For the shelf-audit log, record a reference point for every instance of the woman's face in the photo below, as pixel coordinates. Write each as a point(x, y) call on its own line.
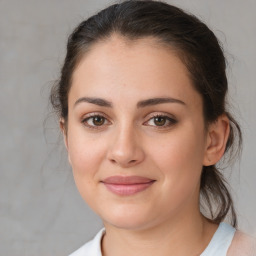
point(135, 136)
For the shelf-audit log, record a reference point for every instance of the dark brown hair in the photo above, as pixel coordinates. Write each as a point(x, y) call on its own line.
point(197, 47)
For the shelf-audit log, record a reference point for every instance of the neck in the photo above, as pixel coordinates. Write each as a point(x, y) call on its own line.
point(185, 235)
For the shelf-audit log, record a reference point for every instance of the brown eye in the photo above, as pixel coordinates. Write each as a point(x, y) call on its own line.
point(95, 121)
point(159, 120)
point(98, 120)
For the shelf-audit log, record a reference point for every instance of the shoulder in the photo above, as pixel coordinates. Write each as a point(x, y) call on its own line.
point(91, 248)
point(242, 245)
point(220, 241)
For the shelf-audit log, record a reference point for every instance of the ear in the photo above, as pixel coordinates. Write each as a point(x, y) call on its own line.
point(63, 127)
point(217, 137)
point(64, 131)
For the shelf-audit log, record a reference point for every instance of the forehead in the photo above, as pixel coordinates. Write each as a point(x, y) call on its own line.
point(142, 67)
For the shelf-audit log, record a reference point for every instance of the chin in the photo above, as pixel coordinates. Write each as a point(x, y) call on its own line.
point(130, 218)
point(128, 224)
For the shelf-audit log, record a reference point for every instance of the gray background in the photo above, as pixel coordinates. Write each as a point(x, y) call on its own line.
point(41, 212)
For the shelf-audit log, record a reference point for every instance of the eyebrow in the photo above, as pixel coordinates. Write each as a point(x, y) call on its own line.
point(144, 103)
point(156, 101)
point(96, 101)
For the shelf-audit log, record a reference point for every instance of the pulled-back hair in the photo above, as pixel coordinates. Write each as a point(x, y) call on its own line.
point(199, 50)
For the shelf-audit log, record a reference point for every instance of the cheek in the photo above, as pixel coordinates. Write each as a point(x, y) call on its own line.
point(183, 148)
point(86, 156)
point(180, 169)
point(179, 156)
point(84, 152)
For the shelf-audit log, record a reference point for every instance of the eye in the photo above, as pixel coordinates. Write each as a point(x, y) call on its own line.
point(161, 121)
point(95, 121)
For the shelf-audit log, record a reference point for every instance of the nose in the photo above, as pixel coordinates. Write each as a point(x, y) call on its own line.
point(125, 148)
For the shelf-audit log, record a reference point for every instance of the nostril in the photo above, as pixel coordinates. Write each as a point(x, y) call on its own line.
point(112, 161)
point(128, 163)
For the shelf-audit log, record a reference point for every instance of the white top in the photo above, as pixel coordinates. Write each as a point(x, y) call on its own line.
point(220, 241)
point(219, 244)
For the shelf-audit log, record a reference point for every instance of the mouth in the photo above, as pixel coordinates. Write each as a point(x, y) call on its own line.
point(127, 185)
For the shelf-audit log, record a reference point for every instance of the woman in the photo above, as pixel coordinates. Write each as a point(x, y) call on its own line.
point(141, 101)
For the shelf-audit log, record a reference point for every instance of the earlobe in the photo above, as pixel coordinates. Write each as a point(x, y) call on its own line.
point(217, 137)
point(64, 131)
point(65, 136)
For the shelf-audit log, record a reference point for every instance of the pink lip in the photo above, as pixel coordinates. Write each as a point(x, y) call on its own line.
point(127, 185)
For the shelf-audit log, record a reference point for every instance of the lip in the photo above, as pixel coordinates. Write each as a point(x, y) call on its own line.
point(127, 185)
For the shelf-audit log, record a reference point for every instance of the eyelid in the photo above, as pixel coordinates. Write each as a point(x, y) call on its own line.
point(94, 114)
point(173, 120)
point(163, 114)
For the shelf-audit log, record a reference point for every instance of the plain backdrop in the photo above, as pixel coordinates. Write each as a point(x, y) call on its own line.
point(41, 212)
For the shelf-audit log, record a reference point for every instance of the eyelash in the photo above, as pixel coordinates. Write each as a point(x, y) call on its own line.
point(167, 119)
point(93, 116)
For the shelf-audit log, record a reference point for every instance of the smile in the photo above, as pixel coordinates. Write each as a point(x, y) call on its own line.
point(125, 186)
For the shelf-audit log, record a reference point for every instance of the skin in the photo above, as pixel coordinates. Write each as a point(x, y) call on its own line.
point(128, 140)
